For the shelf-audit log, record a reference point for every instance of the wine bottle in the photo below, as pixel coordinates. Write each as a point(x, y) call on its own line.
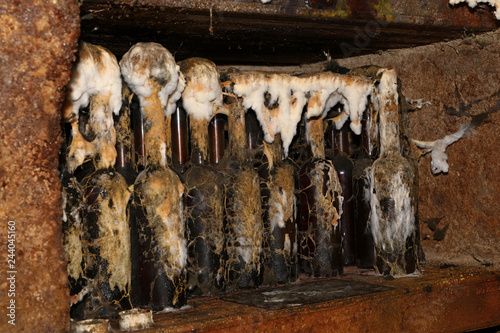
point(392, 192)
point(243, 206)
point(337, 151)
point(319, 209)
point(106, 235)
point(365, 248)
point(278, 203)
point(205, 221)
point(205, 192)
point(151, 72)
point(96, 83)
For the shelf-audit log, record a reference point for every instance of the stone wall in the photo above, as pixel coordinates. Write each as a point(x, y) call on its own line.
point(461, 78)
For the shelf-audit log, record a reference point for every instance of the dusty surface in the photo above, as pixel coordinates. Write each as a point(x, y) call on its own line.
point(34, 73)
point(441, 300)
point(460, 78)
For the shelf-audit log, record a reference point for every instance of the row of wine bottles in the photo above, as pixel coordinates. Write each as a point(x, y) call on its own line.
point(194, 202)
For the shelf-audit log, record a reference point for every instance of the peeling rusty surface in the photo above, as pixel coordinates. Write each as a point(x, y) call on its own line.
point(280, 32)
point(39, 41)
point(451, 300)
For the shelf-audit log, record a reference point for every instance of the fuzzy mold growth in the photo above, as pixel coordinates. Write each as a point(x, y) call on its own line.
point(291, 93)
point(96, 81)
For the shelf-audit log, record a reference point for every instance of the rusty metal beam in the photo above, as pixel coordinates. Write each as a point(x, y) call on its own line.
point(280, 32)
point(441, 300)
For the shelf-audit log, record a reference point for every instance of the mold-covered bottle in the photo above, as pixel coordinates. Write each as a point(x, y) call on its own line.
point(204, 215)
point(278, 204)
point(392, 192)
point(158, 226)
point(105, 225)
point(319, 209)
point(337, 143)
point(105, 233)
point(204, 185)
point(245, 228)
point(365, 249)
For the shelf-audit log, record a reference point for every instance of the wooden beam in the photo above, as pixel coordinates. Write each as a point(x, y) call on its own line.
point(282, 32)
point(441, 300)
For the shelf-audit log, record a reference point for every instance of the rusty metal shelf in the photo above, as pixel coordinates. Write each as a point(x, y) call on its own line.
point(442, 299)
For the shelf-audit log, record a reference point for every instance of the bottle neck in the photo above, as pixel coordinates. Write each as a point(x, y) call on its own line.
point(168, 140)
point(216, 138)
point(155, 134)
point(315, 137)
point(199, 140)
point(273, 152)
point(123, 157)
point(179, 130)
point(253, 130)
point(338, 139)
point(369, 133)
point(236, 124)
point(123, 128)
point(138, 129)
point(387, 96)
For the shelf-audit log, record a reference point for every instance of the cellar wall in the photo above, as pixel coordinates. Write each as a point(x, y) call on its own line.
point(460, 78)
point(37, 42)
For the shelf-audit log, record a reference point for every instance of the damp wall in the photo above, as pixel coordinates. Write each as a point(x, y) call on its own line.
point(460, 210)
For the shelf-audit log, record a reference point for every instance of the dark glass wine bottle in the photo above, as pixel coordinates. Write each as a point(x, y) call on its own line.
point(365, 248)
point(278, 203)
point(243, 206)
point(319, 209)
point(204, 185)
point(337, 142)
point(392, 192)
point(204, 214)
point(106, 235)
point(105, 231)
point(105, 194)
point(158, 225)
